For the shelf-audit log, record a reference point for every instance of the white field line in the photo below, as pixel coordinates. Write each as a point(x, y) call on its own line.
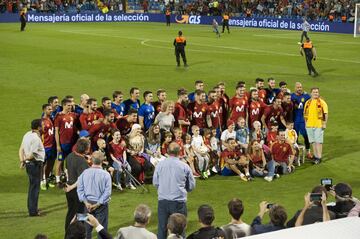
point(287, 36)
point(211, 46)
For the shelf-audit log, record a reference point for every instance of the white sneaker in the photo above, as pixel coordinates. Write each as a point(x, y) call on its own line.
point(118, 186)
point(130, 186)
point(277, 175)
point(268, 178)
point(214, 169)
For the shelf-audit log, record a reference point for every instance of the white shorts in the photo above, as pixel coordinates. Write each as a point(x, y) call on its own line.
point(316, 135)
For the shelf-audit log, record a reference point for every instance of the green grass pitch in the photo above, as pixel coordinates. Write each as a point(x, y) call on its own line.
point(60, 59)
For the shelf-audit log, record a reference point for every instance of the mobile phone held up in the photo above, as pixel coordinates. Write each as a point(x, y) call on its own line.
point(327, 183)
point(81, 216)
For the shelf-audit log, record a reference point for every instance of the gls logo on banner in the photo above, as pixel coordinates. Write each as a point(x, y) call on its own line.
point(188, 19)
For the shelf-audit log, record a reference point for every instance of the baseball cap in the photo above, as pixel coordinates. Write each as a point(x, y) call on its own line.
point(84, 133)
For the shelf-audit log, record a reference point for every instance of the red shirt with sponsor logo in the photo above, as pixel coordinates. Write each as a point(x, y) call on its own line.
point(213, 112)
point(48, 133)
point(238, 108)
point(281, 151)
point(256, 109)
point(272, 114)
point(180, 113)
point(67, 127)
point(124, 126)
point(198, 114)
point(87, 119)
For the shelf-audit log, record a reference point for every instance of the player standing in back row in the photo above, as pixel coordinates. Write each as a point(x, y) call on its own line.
point(180, 43)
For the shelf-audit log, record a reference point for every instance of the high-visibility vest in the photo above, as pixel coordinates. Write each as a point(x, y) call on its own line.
point(307, 45)
point(180, 39)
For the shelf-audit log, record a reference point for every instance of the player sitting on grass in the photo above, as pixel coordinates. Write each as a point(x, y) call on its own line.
point(232, 163)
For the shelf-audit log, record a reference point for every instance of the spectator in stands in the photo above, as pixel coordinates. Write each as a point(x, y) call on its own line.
point(176, 226)
point(344, 200)
point(206, 217)
point(313, 211)
point(236, 228)
point(277, 216)
point(142, 216)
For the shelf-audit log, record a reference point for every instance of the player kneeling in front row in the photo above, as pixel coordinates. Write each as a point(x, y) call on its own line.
point(233, 163)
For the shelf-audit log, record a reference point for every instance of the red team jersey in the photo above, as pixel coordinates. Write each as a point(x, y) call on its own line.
point(272, 114)
point(288, 109)
point(182, 149)
point(48, 133)
point(256, 109)
point(67, 127)
point(238, 108)
point(227, 154)
point(164, 148)
point(100, 130)
point(262, 95)
point(180, 113)
point(117, 150)
point(86, 120)
point(198, 114)
point(281, 151)
point(271, 137)
point(213, 112)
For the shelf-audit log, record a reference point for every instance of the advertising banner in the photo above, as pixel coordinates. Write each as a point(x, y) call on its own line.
point(260, 22)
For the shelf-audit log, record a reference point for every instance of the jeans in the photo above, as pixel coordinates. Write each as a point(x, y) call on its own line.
point(74, 206)
point(257, 173)
point(119, 169)
point(271, 166)
point(165, 209)
point(101, 214)
point(33, 170)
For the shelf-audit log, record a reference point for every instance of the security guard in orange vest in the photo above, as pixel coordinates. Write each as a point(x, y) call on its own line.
point(23, 18)
point(168, 14)
point(225, 22)
point(180, 43)
point(310, 54)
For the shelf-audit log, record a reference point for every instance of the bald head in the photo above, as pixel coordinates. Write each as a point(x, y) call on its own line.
point(298, 88)
point(174, 149)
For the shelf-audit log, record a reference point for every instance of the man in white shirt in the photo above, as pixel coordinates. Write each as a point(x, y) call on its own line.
point(142, 218)
point(32, 155)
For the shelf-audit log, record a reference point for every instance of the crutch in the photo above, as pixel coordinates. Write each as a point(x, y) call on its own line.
point(135, 181)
